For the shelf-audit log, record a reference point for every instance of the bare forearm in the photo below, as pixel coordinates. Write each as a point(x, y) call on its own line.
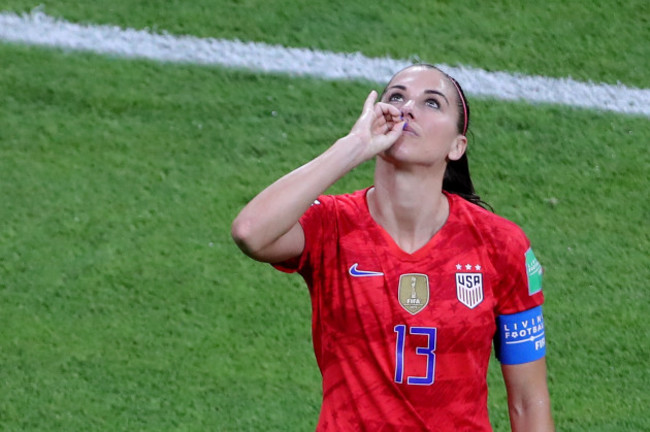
point(529, 403)
point(267, 228)
point(533, 416)
point(273, 212)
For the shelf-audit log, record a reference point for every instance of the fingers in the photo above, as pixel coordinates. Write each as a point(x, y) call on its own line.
point(393, 130)
point(382, 108)
point(370, 101)
point(386, 116)
point(397, 130)
point(385, 140)
point(388, 112)
point(379, 125)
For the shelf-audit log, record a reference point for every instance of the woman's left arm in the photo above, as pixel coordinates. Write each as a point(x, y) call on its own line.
point(529, 402)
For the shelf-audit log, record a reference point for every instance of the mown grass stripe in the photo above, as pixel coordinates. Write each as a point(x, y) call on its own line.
point(37, 28)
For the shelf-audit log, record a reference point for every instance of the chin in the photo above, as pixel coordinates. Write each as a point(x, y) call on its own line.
point(403, 150)
point(401, 155)
point(397, 156)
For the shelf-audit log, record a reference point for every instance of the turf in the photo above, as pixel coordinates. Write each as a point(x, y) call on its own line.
point(126, 306)
point(599, 40)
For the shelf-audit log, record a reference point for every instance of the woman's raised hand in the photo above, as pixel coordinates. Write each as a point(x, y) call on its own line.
point(378, 127)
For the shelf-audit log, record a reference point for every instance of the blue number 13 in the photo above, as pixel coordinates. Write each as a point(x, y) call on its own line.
point(428, 350)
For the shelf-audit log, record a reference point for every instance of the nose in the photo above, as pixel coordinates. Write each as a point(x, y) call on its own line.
point(407, 109)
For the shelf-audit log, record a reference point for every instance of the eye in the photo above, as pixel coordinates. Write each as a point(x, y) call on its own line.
point(433, 103)
point(395, 97)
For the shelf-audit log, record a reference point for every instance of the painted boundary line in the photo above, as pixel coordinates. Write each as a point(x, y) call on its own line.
point(39, 29)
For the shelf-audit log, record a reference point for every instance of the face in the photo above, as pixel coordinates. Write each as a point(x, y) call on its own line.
point(428, 101)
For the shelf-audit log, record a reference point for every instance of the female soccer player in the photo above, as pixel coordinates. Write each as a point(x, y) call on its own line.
point(411, 280)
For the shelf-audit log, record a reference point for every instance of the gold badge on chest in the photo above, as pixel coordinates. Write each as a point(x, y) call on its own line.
point(413, 293)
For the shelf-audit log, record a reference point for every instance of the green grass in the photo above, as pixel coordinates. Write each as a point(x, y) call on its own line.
point(126, 306)
point(599, 40)
point(125, 303)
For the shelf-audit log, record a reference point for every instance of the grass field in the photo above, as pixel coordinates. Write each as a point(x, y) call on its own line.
point(126, 306)
point(598, 40)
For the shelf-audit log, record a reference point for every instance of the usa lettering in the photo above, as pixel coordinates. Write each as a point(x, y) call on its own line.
point(469, 280)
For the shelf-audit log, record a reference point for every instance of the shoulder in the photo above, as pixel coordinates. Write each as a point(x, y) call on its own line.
point(352, 198)
point(349, 202)
point(329, 213)
point(501, 233)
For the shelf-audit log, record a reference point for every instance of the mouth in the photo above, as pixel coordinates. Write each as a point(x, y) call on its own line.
point(408, 130)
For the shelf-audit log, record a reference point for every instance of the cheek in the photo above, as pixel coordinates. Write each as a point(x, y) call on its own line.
point(443, 129)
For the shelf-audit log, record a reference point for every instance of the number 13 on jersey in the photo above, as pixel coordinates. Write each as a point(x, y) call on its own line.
point(428, 350)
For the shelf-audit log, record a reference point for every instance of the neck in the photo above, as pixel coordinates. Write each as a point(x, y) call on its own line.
point(408, 203)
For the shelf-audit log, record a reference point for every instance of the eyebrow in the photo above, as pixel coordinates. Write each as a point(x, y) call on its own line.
point(436, 92)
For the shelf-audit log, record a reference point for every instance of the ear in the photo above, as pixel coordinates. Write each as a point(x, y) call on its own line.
point(458, 148)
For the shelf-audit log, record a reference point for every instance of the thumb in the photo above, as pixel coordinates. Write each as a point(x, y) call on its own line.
point(390, 137)
point(397, 130)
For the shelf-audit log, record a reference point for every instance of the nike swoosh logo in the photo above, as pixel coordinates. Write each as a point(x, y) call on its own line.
point(362, 273)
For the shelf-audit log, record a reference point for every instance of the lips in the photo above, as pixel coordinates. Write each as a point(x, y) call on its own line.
point(408, 130)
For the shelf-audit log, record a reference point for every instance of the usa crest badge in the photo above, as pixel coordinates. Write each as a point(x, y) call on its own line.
point(469, 289)
point(413, 292)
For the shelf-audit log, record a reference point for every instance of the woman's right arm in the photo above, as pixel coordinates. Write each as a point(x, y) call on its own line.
point(267, 228)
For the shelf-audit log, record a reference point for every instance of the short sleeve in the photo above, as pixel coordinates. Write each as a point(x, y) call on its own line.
point(316, 224)
point(520, 283)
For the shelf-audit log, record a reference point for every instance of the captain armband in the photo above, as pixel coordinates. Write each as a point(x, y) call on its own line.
point(520, 337)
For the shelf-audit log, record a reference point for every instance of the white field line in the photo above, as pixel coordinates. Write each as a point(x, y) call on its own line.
point(37, 28)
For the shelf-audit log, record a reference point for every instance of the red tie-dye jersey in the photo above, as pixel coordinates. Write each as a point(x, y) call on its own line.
point(403, 340)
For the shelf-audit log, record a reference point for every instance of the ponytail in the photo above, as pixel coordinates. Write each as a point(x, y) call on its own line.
point(458, 181)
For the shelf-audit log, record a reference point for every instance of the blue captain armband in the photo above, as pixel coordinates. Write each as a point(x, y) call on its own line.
point(520, 337)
